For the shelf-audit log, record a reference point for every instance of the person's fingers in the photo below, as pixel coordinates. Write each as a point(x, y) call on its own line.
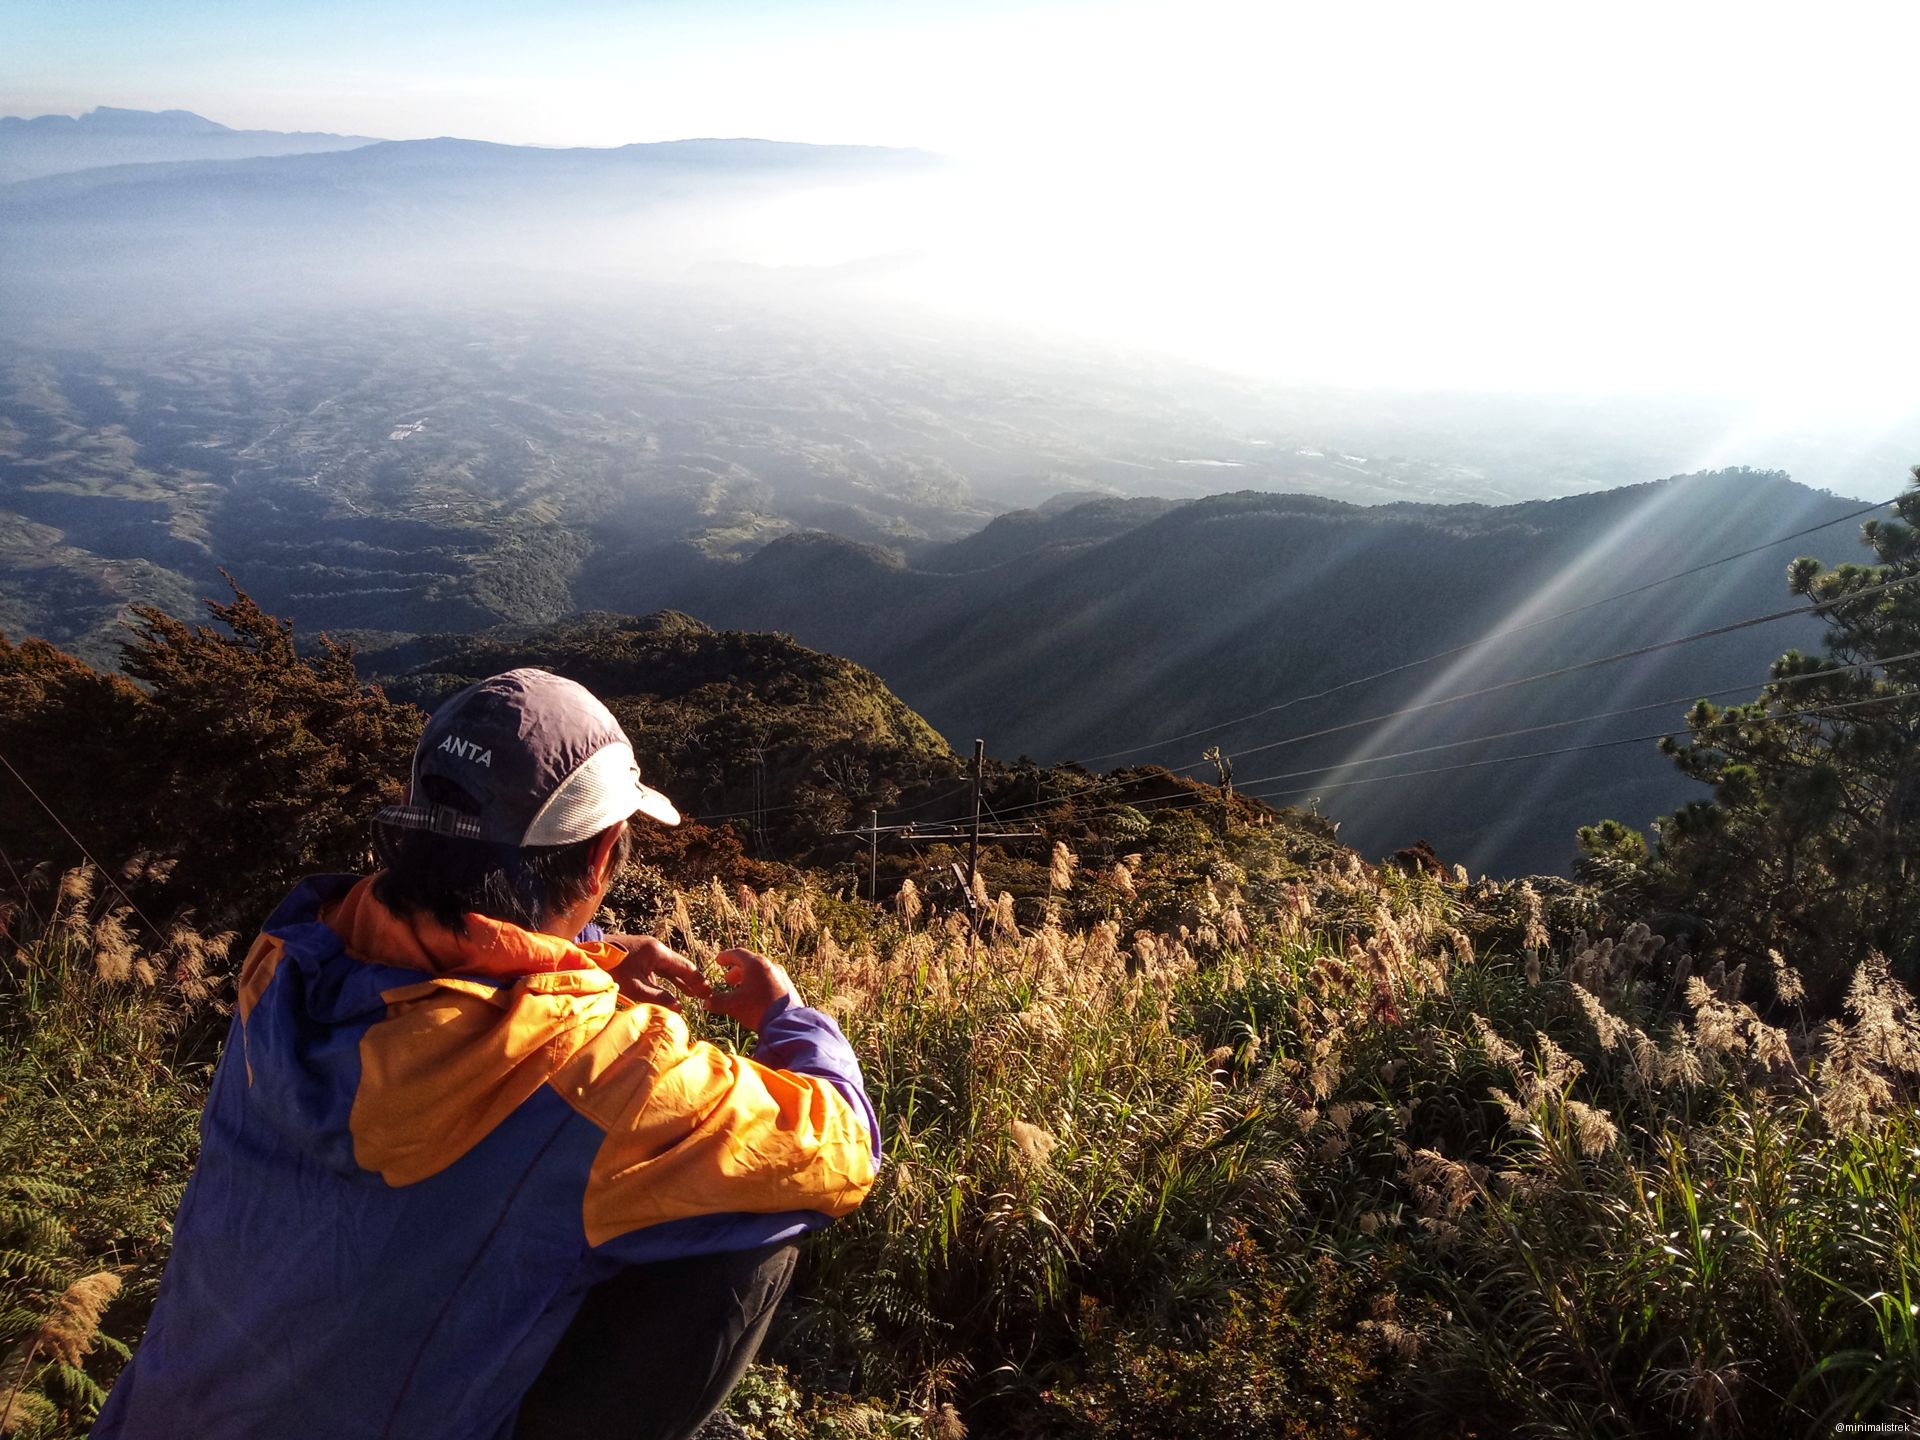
point(672, 966)
point(726, 1003)
point(737, 964)
point(649, 956)
point(645, 994)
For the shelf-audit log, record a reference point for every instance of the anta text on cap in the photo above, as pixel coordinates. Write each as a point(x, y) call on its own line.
point(541, 759)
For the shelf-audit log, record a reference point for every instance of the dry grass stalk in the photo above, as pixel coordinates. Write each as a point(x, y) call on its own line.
point(1787, 983)
point(113, 951)
point(1060, 868)
point(1608, 1028)
point(1534, 936)
point(1443, 1189)
point(1005, 926)
point(1033, 1144)
point(65, 1337)
point(1593, 1130)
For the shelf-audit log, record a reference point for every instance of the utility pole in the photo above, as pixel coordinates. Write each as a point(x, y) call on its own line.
point(948, 832)
point(973, 835)
point(973, 847)
point(1224, 767)
point(757, 791)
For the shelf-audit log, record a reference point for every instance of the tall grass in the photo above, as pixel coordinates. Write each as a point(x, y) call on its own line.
point(1359, 1176)
point(99, 1110)
point(1269, 1145)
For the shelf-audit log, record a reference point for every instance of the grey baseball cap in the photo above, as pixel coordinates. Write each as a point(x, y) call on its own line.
point(545, 762)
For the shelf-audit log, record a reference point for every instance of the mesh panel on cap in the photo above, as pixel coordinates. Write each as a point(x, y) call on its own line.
point(603, 790)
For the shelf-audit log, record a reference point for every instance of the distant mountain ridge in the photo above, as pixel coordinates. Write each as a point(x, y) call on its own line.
point(110, 136)
point(395, 213)
point(1098, 647)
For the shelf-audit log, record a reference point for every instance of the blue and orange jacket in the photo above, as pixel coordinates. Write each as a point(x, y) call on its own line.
point(420, 1149)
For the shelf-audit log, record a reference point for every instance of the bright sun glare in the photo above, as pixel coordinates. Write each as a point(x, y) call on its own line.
point(1628, 199)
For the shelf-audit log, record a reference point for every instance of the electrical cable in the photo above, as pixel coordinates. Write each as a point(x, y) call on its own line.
point(790, 805)
point(742, 814)
point(1615, 714)
point(1688, 699)
point(1506, 685)
point(1488, 638)
point(1441, 655)
point(1191, 798)
point(1566, 749)
point(87, 854)
point(1584, 665)
point(941, 799)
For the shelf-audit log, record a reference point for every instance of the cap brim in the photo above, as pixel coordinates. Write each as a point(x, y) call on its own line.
point(603, 790)
point(654, 805)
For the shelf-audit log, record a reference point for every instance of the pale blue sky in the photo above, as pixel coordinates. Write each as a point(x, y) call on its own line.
point(586, 72)
point(1621, 195)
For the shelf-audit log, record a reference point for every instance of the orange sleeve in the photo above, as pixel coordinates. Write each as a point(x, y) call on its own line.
point(692, 1129)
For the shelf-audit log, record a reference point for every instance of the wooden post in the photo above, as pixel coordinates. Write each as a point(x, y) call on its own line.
point(873, 860)
point(973, 846)
point(973, 837)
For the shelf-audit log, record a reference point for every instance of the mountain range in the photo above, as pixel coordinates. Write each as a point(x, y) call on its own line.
point(1118, 631)
point(394, 214)
point(106, 135)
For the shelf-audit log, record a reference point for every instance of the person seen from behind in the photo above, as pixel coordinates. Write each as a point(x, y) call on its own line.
point(464, 1173)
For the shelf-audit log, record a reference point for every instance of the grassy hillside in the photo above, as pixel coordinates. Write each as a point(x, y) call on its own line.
point(1214, 1127)
point(1347, 1154)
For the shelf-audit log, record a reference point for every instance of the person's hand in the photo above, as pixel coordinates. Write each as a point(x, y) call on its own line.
point(648, 960)
point(754, 985)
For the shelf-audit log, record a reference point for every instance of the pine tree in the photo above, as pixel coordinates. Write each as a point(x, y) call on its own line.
point(1811, 841)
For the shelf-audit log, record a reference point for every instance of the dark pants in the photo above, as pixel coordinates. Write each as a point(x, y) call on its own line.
point(656, 1350)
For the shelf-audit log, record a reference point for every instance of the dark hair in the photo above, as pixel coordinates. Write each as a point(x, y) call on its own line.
point(448, 877)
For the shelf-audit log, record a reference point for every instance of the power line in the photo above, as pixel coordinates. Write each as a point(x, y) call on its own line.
point(742, 814)
point(1606, 715)
point(1544, 754)
point(106, 874)
point(1489, 638)
point(921, 830)
point(1506, 685)
point(940, 799)
point(1183, 800)
point(1560, 672)
point(1427, 660)
point(1584, 665)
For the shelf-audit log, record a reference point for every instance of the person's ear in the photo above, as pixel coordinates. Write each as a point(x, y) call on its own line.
point(600, 861)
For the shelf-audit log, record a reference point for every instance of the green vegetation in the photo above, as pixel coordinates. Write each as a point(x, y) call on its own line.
point(1813, 829)
point(1215, 1127)
point(105, 1051)
point(235, 767)
point(720, 718)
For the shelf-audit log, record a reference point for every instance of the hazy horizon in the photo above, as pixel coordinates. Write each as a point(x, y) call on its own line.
point(1628, 202)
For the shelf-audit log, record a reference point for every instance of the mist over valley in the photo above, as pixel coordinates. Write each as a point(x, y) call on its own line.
point(436, 387)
